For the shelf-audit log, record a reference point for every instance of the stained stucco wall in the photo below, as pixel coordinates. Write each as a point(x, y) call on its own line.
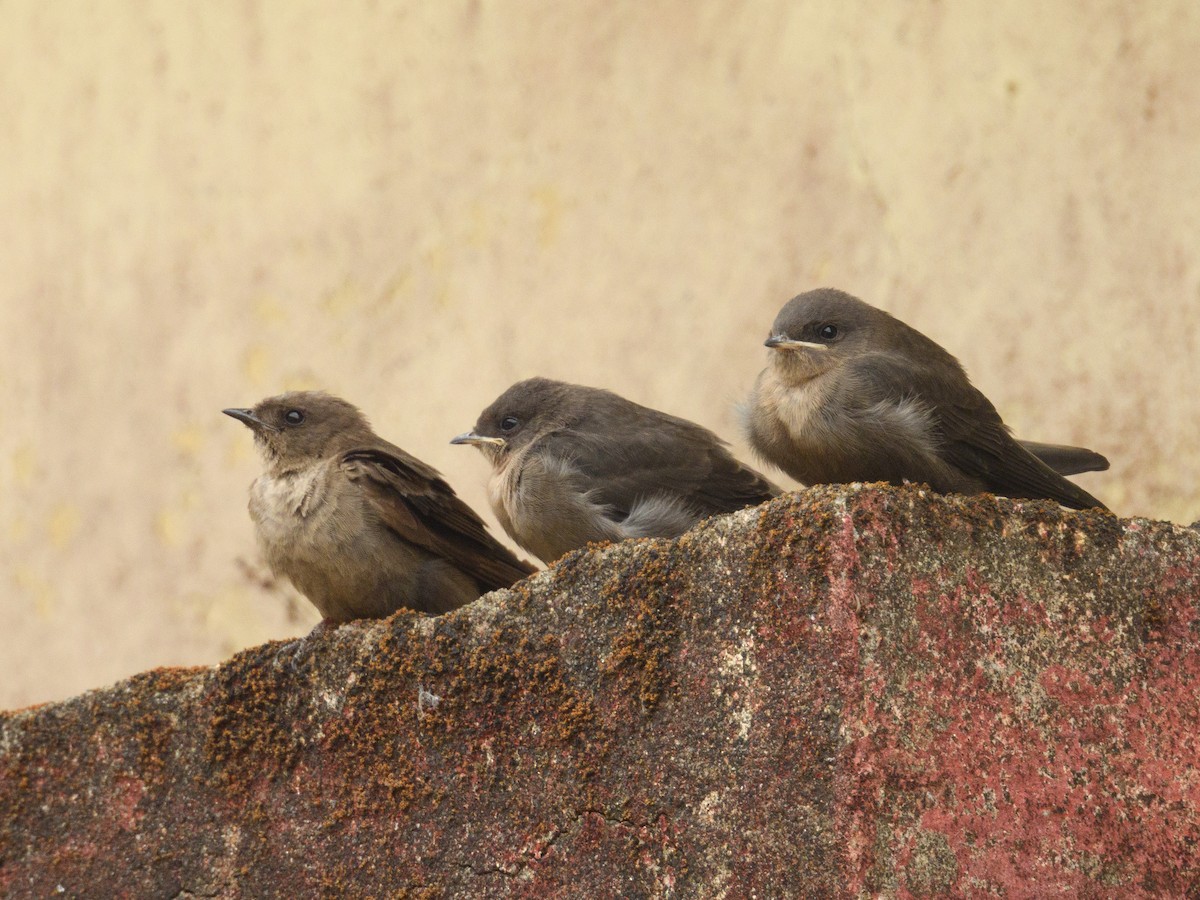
point(415, 204)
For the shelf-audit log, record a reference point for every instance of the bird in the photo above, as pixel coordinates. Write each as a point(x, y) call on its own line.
point(851, 393)
point(360, 527)
point(573, 464)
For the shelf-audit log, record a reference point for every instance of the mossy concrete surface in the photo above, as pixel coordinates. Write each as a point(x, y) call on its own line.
point(848, 691)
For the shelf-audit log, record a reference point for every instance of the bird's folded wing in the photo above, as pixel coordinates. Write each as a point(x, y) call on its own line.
point(413, 500)
point(970, 433)
point(625, 460)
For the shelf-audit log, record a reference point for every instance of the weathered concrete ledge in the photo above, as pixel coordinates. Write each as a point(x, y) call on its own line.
point(844, 692)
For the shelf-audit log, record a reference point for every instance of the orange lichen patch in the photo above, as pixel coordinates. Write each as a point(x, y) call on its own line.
point(474, 702)
point(251, 733)
point(651, 613)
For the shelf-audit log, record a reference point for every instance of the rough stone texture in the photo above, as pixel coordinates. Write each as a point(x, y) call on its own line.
point(414, 203)
point(845, 692)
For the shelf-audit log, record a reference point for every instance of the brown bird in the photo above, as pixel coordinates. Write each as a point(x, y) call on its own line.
point(360, 527)
point(574, 464)
point(853, 394)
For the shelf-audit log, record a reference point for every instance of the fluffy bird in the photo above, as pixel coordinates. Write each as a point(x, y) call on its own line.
point(360, 527)
point(853, 394)
point(573, 464)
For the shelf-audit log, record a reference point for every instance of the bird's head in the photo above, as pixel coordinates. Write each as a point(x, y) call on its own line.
point(300, 427)
point(516, 418)
point(818, 330)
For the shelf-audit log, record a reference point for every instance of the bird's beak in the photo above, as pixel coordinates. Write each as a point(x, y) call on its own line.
point(783, 342)
point(479, 440)
point(249, 419)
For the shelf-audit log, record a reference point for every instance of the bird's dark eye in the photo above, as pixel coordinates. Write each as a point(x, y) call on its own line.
point(827, 332)
point(293, 417)
point(508, 423)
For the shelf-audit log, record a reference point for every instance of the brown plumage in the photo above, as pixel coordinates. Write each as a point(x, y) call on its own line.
point(573, 464)
point(853, 394)
point(360, 527)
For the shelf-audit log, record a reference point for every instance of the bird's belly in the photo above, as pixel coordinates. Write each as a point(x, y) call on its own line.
point(795, 428)
point(317, 541)
point(521, 508)
point(543, 508)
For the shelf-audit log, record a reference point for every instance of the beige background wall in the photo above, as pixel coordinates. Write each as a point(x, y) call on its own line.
point(414, 204)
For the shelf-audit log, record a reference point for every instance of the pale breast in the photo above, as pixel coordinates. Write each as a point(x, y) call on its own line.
point(501, 489)
point(540, 503)
point(280, 503)
point(313, 529)
point(801, 428)
point(801, 408)
point(794, 414)
point(513, 491)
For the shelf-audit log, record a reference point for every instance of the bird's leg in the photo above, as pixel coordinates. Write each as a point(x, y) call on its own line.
point(296, 654)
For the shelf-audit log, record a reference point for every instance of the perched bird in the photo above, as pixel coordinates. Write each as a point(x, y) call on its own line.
point(360, 527)
point(573, 464)
point(853, 394)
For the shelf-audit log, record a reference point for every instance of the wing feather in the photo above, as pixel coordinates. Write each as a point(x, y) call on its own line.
point(969, 432)
point(636, 453)
point(415, 502)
